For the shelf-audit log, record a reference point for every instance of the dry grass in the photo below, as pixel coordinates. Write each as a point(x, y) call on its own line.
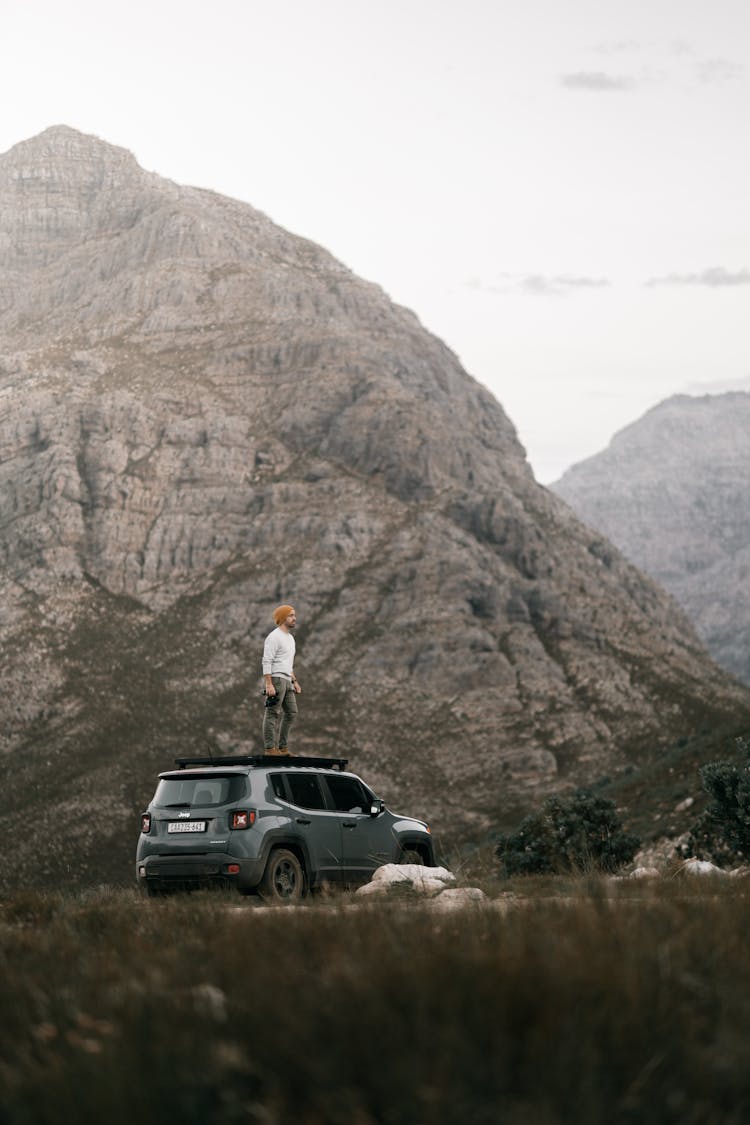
point(590, 1002)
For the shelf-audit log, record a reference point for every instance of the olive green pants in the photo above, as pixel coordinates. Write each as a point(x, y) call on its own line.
point(278, 718)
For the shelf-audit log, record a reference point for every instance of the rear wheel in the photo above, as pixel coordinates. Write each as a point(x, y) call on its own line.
point(283, 879)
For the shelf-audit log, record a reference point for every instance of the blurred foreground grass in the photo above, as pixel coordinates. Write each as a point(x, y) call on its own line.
point(581, 1001)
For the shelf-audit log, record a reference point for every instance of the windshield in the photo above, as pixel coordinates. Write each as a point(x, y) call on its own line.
point(207, 790)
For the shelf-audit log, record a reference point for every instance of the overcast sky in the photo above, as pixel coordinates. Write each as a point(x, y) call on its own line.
point(558, 190)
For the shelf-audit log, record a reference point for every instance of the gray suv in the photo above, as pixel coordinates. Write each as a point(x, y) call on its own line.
point(278, 826)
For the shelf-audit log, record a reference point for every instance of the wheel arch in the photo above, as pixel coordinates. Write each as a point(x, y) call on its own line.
point(290, 844)
point(420, 845)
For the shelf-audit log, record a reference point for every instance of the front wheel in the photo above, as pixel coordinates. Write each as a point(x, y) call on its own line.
point(283, 879)
point(410, 855)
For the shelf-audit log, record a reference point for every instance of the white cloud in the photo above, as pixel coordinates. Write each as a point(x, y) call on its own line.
point(681, 48)
point(717, 277)
point(658, 62)
point(597, 81)
point(719, 70)
point(616, 47)
point(538, 285)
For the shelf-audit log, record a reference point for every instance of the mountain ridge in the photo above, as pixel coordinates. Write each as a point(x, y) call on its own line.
point(201, 416)
point(671, 491)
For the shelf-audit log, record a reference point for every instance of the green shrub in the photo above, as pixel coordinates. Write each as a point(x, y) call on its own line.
point(582, 832)
point(722, 832)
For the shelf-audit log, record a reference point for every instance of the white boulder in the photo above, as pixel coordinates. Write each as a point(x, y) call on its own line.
point(425, 880)
point(702, 867)
point(402, 872)
point(458, 898)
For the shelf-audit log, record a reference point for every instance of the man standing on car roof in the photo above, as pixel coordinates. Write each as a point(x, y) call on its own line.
point(281, 685)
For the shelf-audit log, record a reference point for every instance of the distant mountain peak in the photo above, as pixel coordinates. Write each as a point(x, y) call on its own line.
point(61, 142)
point(59, 188)
point(59, 134)
point(671, 492)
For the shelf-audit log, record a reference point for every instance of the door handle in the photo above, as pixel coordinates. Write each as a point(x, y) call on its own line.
point(350, 824)
point(301, 820)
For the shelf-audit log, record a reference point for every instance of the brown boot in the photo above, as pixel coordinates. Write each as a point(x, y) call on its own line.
point(285, 751)
point(270, 753)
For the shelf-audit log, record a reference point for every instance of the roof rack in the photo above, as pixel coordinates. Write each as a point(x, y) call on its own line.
point(264, 760)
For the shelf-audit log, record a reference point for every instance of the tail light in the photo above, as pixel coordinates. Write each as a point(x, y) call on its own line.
point(242, 818)
point(146, 823)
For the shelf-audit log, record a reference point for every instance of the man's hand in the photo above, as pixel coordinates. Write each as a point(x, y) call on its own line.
point(297, 688)
point(270, 689)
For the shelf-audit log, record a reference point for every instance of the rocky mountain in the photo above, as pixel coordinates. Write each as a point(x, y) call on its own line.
point(202, 415)
point(673, 492)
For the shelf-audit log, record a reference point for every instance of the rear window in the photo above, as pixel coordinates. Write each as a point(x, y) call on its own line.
point(213, 789)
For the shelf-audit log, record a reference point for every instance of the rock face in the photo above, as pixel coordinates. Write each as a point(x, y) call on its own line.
point(673, 492)
point(201, 416)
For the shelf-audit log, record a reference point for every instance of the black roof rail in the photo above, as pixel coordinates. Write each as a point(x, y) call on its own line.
point(264, 760)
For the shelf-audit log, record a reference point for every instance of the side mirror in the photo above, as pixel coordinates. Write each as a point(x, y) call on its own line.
point(377, 807)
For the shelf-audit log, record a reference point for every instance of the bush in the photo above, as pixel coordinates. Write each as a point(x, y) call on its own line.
point(582, 832)
point(722, 832)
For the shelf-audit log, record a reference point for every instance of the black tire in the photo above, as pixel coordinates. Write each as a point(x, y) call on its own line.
point(283, 880)
point(411, 855)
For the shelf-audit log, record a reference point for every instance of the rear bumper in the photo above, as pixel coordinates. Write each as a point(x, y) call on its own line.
point(156, 872)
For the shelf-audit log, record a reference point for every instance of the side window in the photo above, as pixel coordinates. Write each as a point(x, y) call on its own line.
point(277, 784)
point(306, 791)
point(348, 794)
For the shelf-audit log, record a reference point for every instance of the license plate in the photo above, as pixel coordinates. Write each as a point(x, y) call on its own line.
point(186, 826)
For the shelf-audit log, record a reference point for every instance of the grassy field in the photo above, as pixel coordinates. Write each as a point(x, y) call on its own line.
point(580, 1001)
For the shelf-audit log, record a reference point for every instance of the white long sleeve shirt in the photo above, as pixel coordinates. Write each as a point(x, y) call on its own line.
point(278, 654)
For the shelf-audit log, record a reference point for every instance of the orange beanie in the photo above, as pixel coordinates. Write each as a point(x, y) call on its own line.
point(282, 613)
